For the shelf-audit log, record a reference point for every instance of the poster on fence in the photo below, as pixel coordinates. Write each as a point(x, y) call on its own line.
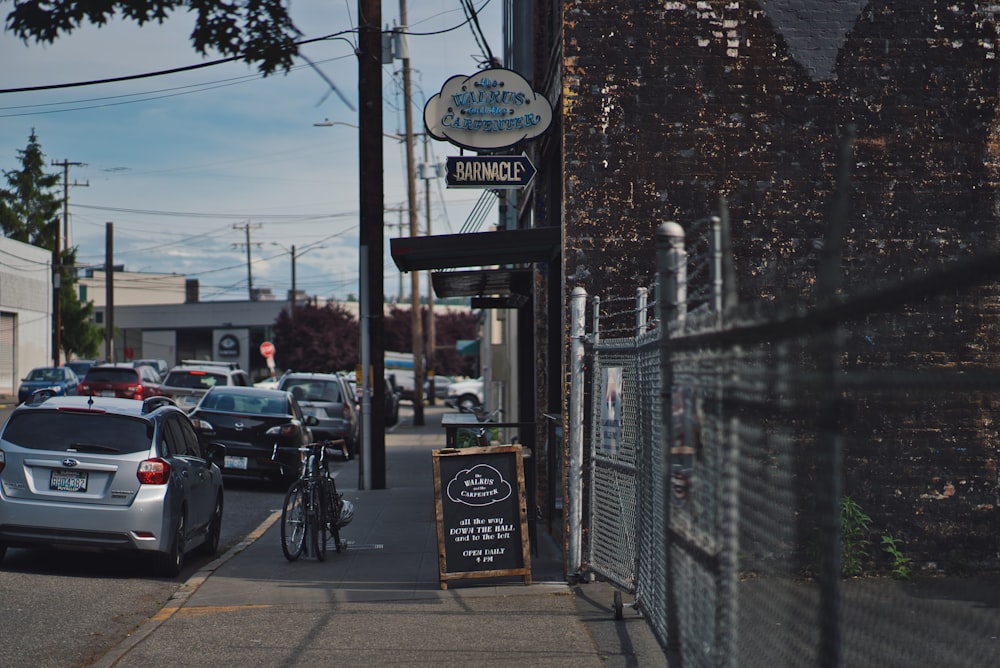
point(687, 418)
point(611, 410)
point(479, 505)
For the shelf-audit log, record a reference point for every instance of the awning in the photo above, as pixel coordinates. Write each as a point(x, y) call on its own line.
point(489, 288)
point(476, 249)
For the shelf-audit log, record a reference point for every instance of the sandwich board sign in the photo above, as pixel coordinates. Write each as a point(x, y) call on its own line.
point(481, 515)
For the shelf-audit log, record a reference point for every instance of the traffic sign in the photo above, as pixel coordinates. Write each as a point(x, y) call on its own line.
point(267, 349)
point(489, 171)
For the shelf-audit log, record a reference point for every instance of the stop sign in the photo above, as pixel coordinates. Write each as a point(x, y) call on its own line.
point(267, 349)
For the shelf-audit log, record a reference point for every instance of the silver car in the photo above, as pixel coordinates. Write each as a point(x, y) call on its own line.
point(109, 474)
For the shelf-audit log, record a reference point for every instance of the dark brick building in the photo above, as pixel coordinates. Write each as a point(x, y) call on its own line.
point(664, 107)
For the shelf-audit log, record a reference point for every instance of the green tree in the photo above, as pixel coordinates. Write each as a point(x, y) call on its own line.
point(322, 339)
point(29, 210)
point(80, 336)
point(256, 31)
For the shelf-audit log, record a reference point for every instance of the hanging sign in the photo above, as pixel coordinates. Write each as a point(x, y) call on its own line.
point(488, 110)
point(489, 171)
point(481, 514)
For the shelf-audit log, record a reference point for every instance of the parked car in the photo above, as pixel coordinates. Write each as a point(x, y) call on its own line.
point(187, 383)
point(329, 398)
point(81, 367)
point(391, 400)
point(466, 395)
point(161, 366)
point(97, 473)
point(125, 382)
point(61, 380)
point(260, 430)
point(441, 384)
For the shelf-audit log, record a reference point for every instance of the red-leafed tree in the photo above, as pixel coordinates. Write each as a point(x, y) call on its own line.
point(322, 339)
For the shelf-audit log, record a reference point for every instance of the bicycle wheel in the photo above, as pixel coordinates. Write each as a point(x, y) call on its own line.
point(293, 522)
point(317, 521)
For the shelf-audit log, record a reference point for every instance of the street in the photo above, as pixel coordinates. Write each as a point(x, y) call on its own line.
point(67, 608)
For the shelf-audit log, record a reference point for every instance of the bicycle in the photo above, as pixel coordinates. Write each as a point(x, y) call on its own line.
point(313, 509)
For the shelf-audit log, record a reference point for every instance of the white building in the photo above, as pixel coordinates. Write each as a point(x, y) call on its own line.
point(25, 311)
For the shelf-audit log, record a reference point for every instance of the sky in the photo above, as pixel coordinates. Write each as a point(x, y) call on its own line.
point(186, 166)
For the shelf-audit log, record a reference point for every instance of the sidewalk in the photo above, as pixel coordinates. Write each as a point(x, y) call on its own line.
point(379, 602)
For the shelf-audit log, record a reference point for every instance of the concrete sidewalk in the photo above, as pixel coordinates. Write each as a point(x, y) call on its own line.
point(379, 602)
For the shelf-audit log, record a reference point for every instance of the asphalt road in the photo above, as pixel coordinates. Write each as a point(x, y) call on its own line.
point(67, 608)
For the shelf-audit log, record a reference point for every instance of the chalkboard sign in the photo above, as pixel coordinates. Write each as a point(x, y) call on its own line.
point(480, 510)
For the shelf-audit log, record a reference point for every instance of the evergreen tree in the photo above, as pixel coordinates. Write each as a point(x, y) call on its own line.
point(29, 210)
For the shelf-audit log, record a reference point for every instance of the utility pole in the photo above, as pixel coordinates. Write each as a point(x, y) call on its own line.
point(246, 227)
point(411, 188)
point(371, 242)
point(58, 251)
point(66, 164)
point(109, 292)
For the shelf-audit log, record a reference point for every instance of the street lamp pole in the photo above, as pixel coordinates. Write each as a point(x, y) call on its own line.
point(371, 241)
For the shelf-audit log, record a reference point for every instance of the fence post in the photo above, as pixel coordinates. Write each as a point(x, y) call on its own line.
point(671, 294)
point(641, 300)
point(575, 473)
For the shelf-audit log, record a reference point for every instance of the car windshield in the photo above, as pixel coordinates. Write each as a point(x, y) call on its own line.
point(195, 380)
point(104, 375)
point(314, 390)
point(78, 432)
point(45, 374)
point(244, 404)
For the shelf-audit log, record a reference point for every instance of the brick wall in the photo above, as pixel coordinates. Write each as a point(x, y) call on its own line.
point(668, 105)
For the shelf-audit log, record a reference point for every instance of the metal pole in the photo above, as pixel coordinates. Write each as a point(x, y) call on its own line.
point(293, 283)
point(371, 237)
point(575, 473)
point(431, 332)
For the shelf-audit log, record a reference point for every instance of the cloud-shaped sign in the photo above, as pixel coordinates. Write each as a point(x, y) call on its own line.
point(481, 485)
point(491, 109)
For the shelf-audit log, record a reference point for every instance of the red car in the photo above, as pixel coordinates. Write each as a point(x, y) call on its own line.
point(126, 382)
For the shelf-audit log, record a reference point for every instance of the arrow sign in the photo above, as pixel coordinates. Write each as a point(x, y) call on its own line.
point(489, 171)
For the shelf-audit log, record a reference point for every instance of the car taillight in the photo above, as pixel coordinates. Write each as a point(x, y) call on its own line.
point(3, 460)
point(284, 431)
point(346, 412)
point(154, 472)
point(133, 390)
point(82, 388)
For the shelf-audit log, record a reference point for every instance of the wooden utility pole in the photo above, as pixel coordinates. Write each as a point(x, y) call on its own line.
point(58, 251)
point(411, 188)
point(431, 343)
point(109, 292)
point(246, 227)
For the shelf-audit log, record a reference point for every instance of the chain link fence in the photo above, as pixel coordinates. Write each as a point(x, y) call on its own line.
point(755, 469)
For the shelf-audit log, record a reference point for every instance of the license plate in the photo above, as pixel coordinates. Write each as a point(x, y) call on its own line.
point(189, 400)
point(63, 480)
point(235, 462)
point(107, 393)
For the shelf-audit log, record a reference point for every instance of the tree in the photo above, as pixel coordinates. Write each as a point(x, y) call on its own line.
point(29, 210)
point(256, 31)
point(80, 337)
point(322, 339)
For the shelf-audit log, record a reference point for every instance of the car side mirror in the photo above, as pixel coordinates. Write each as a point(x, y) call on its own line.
point(311, 421)
point(216, 453)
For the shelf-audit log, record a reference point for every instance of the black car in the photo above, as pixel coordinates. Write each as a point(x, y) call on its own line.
point(261, 430)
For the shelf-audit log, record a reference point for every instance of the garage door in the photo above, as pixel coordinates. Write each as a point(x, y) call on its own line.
point(7, 353)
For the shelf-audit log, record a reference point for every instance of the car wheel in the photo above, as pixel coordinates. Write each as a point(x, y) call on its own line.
point(468, 403)
point(168, 564)
point(211, 545)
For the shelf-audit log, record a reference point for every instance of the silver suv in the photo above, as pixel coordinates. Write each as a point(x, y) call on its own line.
point(329, 398)
point(102, 473)
point(188, 382)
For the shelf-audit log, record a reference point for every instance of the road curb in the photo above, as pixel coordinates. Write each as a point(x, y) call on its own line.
point(180, 597)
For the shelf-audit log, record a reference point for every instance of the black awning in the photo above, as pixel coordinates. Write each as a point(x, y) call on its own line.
point(476, 249)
